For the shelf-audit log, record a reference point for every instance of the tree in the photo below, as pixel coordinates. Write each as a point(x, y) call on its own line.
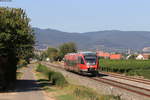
point(43, 56)
point(132, 56)
point(67, 48)
point(52, 54)
point(16, 41)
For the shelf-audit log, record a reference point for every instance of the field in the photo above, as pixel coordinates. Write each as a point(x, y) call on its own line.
point(129, 67)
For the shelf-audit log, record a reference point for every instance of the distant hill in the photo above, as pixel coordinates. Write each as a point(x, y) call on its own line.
point(95, 40)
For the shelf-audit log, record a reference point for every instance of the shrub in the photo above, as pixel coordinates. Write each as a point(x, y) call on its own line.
point(43, 69)
point(55, 77)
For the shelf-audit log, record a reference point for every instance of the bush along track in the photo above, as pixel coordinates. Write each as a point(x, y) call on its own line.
point(55, 78)
point(55, 84)
point(129, 67)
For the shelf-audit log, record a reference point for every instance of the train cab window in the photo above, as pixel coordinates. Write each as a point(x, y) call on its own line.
point(90, 60)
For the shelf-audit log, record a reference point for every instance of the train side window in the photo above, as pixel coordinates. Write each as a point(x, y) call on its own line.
point(82, 62)
point(80, 59)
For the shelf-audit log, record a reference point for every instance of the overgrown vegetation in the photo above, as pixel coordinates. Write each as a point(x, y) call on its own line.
point(57, 54)
point(129, 67)
point(16, 42)
point(62, 90)
point(19, 75)
point(21, 63)
point(67, 48)
point(52, 53)
point(85, 93)
point(56, 78)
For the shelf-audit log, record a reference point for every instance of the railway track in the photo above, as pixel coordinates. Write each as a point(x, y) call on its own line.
point(128, 87)
point(144, 81)
point(139, 80)
point(131, 88)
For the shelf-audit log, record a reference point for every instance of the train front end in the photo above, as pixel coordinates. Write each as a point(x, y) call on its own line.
point(89, 63)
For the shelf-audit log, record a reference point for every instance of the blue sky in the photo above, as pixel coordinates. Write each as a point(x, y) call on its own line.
point(86, 15)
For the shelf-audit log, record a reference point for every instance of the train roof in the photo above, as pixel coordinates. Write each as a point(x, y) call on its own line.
point(71, 53)
point(88, 53)
point(84, 53)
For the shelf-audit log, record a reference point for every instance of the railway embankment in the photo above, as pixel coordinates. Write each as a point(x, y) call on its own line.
point(58, 87)
point(101, 87)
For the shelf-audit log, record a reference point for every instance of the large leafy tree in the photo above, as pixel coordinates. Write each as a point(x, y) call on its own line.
point(16, 34)
point(65, 48)
point(52, 54)
point(16, 41)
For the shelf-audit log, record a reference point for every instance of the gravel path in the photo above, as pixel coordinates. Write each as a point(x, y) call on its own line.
point(27, 89)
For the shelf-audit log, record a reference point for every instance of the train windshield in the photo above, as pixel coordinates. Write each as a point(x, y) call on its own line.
point(90, 60)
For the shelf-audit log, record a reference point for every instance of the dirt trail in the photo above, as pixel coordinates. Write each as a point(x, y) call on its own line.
point(26, 89)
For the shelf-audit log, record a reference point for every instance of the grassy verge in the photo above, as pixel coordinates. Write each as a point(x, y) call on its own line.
point(129, 67)
point(22, 63)
point(19, 75)
point(55, 78)
point(20, 66)
point(56, 86)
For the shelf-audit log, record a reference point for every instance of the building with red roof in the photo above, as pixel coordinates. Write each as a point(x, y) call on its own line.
point(109, 55)
point(103, 54)
point(116, 56)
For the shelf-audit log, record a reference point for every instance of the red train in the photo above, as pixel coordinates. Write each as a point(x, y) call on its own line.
point(82, 62)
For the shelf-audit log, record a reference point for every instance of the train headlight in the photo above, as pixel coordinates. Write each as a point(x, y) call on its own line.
point(88, 64)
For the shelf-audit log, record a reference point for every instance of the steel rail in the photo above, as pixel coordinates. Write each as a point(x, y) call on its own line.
point(127, 78)
point(109, 82)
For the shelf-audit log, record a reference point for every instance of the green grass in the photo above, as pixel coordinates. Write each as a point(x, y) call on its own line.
point(85, 93)
point(43, 69)
point(74, 92)
point(66, 97)
point(22, 63)
point(129, 67)
point(19, 75)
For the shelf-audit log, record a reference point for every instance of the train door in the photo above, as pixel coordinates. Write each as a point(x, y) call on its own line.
point(81, 63)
